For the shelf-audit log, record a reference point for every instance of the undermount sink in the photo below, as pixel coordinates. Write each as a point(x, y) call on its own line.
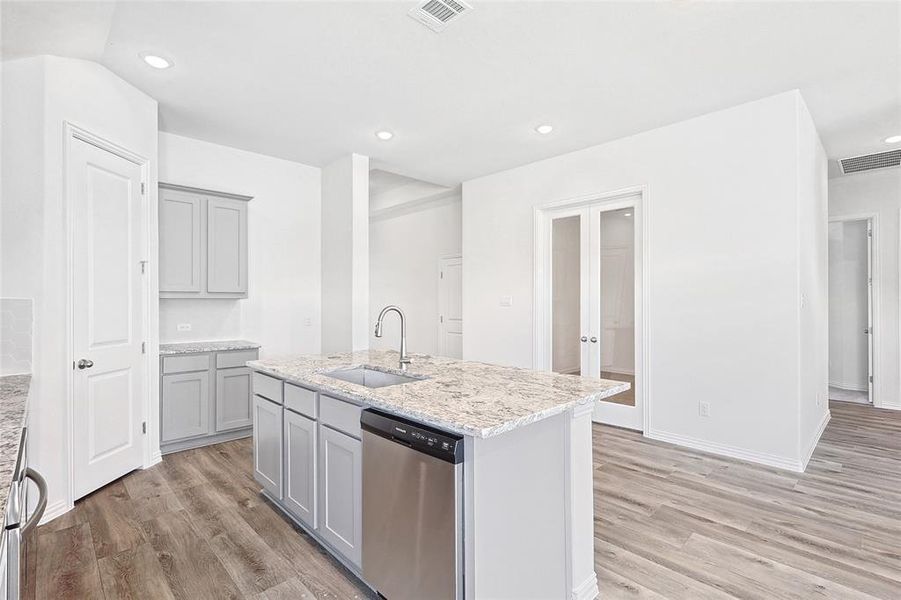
point(370, 377)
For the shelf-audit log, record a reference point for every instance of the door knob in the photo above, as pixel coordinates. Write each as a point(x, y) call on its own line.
point(584, 339)
point(594, 340)
point(84, 363)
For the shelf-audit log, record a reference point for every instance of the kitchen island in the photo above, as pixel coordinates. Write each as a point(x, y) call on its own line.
point(526, 497)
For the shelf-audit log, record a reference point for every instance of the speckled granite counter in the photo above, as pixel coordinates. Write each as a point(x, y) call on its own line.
point(13, 401)
point(469, 398)
point(214, 346)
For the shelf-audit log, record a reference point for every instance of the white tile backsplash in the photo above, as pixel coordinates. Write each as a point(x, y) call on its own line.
point(16, 328)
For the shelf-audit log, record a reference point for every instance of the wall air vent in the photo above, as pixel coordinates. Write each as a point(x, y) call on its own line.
point(438, 14)
point(868, 162)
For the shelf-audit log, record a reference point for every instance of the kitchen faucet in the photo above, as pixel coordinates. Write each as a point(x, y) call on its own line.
point(404, 359)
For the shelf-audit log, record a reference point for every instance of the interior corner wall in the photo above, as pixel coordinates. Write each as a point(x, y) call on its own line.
point(405, 248)
point(813, 309)
point(282, 308)
point(879, 193)
point(721, 250)
point(345, 254)
point(45, 92)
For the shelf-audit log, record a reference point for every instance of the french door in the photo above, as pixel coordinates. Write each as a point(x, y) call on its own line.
point(595, 274)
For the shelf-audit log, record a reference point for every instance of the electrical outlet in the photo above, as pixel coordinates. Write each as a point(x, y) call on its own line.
point(704, 409)
point(308, 322)
point(506, 300)
point(183, 327)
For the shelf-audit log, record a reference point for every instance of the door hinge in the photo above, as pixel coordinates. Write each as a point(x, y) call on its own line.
point(144, 427)
point(442, 274)
point(871, 379)
point(143, 347)
point(142, 188)
point(441, 319)
point(143, 267)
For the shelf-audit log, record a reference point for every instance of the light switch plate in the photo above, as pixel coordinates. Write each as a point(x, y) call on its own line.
point(506, 300)
point(704, 409)
point(183, 327)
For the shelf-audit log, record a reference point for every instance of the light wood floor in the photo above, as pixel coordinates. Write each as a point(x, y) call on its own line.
point(669, 523)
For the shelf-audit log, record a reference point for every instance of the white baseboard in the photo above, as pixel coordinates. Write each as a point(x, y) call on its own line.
point(851, 387)
point(54, 510)
point(587, 590)
point(617, 371)
point(812, 444)
point(763, 458)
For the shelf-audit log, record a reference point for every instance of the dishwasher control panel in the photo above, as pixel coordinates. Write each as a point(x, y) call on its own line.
point(440, 444)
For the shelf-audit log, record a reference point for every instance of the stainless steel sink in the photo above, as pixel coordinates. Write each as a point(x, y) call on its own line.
point(370, 377)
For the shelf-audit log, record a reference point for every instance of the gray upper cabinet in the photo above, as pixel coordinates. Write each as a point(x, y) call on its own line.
point(180, 241)
point(233, 409)
point(203, 243)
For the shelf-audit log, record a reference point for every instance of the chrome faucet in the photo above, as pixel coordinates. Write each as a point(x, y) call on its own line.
point(404, 359)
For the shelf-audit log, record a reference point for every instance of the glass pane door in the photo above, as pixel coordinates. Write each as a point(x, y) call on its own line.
point(566, 297)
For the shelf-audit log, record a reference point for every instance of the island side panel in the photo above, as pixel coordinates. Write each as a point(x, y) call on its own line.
point(582, 583)
point(516, 511)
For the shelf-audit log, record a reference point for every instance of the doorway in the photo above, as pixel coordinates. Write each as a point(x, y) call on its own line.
point(106, 191)
point(450, 306)
point(851, 310)
point(590, 292)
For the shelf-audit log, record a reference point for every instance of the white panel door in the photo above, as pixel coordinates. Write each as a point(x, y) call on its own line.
point(450, 307)
point(108, 304)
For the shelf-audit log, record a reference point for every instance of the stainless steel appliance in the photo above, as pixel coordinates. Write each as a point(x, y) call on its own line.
point(17, 525)
point(412, 509)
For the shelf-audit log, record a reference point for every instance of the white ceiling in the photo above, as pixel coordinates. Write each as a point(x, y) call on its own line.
point(311, 81)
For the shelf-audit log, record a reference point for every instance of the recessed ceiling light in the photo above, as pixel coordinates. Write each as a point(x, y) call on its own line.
point(156, 61)
point(384, 135)
point(893, 139)
point(627, 214)
point(544, 129)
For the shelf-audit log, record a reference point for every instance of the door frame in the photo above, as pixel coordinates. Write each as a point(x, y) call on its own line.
point(150, 334)
point(875, 308)
point(542, 299)
point(442, 348)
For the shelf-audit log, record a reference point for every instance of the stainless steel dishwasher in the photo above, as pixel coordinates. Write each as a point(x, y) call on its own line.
point(412, 509)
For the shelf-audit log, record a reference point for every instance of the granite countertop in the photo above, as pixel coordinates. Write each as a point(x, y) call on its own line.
point(13, 400)
point(469, 398)
point(212, 346)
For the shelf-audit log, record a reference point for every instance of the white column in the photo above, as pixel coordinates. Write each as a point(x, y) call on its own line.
point(345, 254)
point(582, 583)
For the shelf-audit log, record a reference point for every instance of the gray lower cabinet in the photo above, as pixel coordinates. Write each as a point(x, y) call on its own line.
point(300, 467)
point(185, 399)
point(233, 399)
point(340, 493)
point(267, 445)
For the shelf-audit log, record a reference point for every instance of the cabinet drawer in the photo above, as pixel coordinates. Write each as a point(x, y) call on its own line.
point(227, 360)
point(267, 387)
point(185, 363)
point(300, 400)
point(340, 415)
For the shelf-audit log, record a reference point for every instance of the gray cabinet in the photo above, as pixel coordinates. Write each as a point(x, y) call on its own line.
point(205, 398)
point(203, 243)
point(300, 467)
point(267, 445)
point(179, 229)
point(185, 400)
point(233, 399)
point(340, 493)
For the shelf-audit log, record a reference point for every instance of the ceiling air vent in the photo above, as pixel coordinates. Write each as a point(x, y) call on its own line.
point(437, 14)
point(880, 160)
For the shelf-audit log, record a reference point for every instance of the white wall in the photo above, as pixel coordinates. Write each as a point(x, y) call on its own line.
point(848, 305)
point(282, 310)
point(404, 249)
point(879, 193)
point(39, 95)
point(345, 254)
point(722, 217)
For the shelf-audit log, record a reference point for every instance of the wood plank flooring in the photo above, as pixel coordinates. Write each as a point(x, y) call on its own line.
point(669, 523)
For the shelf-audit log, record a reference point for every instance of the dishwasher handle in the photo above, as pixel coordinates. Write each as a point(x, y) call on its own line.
point(41, 483)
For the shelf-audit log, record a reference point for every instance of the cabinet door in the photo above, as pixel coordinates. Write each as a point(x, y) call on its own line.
point(180, 249)
point(185, 405)
point(267, 445)
point(226, 246)
point(340, 493)
point(300, 467)
point(233, 407)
